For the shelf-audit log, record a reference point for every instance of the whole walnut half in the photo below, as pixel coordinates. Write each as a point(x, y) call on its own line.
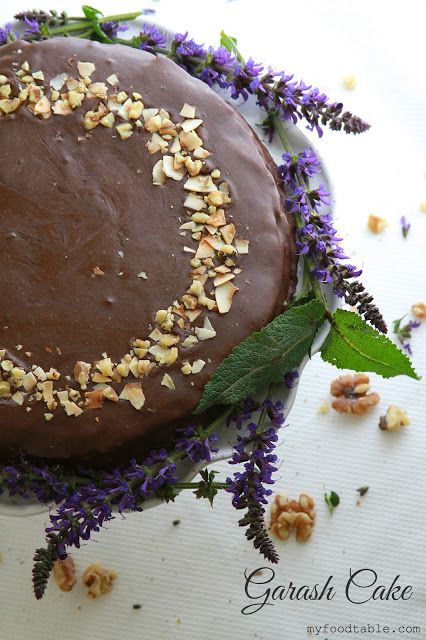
point(351, 394)
point(292, 514)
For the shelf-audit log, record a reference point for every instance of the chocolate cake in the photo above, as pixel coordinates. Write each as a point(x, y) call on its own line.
point(142, 237)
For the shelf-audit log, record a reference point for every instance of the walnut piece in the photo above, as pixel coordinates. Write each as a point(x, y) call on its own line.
point(351, 394)
point(376, 224)
point(395, 419)
point(98, 580)
point(292, 514)
point(419, 310)
point(64, 573)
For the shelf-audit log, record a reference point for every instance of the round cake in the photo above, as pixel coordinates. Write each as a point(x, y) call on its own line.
point(143, 236)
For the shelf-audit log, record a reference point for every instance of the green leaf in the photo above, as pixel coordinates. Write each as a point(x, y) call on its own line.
point(332, 501)
point(44, 30)
point(265, 356)
point(91, 12)
point(102, 35)
point(230, 43)
point(353, 344)
point(206, 488)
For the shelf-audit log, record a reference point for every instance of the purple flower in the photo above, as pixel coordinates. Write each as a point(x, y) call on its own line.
point(196, 444)
point(217, 67)
point(245, 79)
point(305, 165)
point(33, 26)
point(291, 379)
point(258, 461)
point(112, 29)
point(4, 33)
point(151, 37)
point(404, 332)
point(405, 226)
point(187, 47)
point(316, 237)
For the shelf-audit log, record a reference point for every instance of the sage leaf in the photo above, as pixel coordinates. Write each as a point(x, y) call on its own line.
point(230, 43)
point(354, 344)
point(265, 356)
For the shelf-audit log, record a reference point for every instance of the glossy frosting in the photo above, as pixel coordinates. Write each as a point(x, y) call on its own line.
point(68, 206)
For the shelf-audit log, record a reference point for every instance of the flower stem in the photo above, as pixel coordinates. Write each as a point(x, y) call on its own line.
point(83, 24)
point(195, 485)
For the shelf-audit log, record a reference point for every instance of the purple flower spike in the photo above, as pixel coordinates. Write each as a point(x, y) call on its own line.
point(317, 238)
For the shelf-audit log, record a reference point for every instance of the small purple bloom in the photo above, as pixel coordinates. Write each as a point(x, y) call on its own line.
point(4, 33)
point(187, 47)
point(33, 26)
point(196, 444)
point(405, 226)
point(291, 379)
point(151, 37)
point(112, 29)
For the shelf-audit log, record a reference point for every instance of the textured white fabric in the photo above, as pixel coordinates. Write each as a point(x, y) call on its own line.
point(189, 578)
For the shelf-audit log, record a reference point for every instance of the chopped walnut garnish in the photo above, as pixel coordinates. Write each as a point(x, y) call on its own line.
point(112, 79)
point(72, 409)
point(419, 310)
point(292, 514)
point(9, 106)
point(224, 295)
point(82, 373)
point(241, 246)
point(158, 175)
point(85, 69)
point(187, 111)
point(98, 272)
point(351, 393)
point(64, 573)
point(167, 381)
point(395, 419)
point(94, 399)
point(5, 391)
point(377, 224)
point(98, 580)
point(134, 394)
point(124, 130)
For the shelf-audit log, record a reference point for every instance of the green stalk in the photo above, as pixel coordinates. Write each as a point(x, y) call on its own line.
point(195, 485)
point(84, 23)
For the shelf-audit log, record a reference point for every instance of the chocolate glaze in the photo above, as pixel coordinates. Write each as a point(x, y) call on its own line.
point(68, 206)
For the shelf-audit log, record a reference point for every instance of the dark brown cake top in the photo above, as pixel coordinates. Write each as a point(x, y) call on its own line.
point(143, 237)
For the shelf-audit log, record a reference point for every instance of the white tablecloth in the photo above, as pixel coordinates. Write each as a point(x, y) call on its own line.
point(189, 578)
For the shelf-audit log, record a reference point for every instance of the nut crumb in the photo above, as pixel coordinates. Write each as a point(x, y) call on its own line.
point(349, 82)
point(324, 407)
point(64, 573)
point(395, 419)
point(376, 224)
point(98, 580)
point(419, 310)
